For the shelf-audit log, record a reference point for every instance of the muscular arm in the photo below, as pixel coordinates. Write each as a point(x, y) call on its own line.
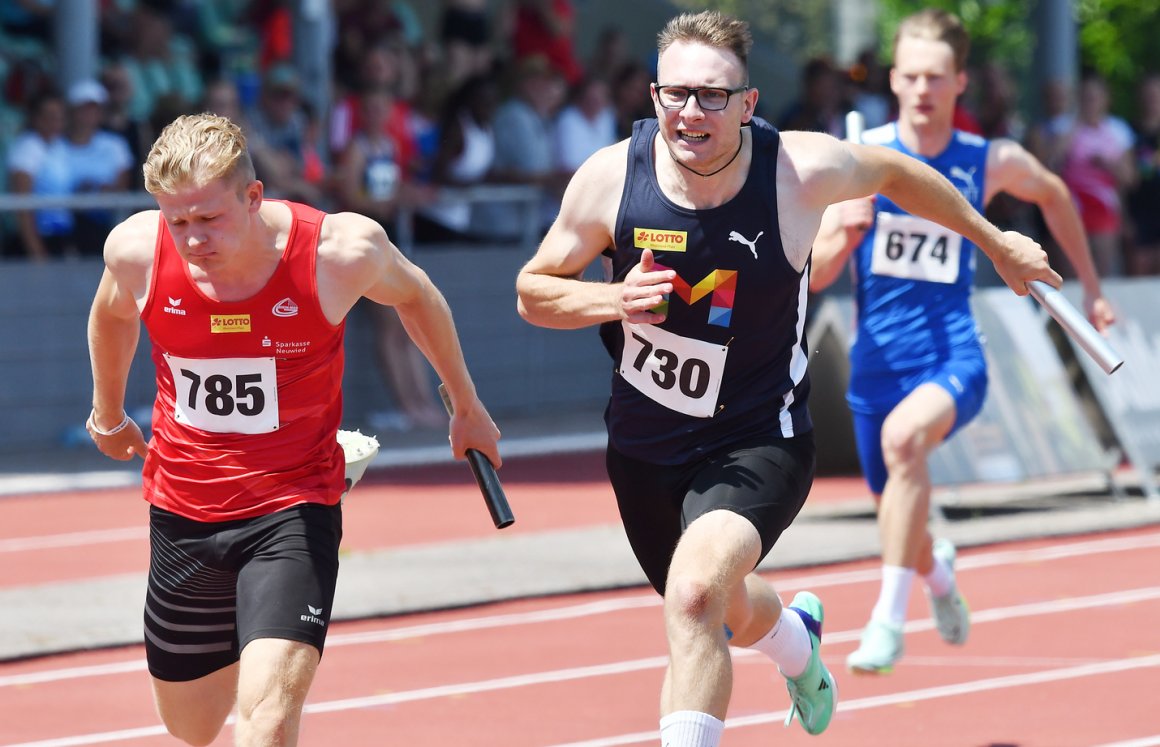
point(1011, 169)
point(550, 291)
point(842, 228)
point(356, 260)
point(827, 170)
point(114, 329)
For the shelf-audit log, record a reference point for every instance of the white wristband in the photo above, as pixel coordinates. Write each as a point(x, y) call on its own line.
point(111, 432)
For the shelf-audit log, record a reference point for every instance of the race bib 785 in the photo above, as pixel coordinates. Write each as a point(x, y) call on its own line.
point(225, 395)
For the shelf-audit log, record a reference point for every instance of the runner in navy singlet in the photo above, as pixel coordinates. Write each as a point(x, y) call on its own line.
point(917, 371)
point(708, 216)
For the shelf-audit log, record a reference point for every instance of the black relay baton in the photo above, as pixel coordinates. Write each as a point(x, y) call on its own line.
point(486, 478)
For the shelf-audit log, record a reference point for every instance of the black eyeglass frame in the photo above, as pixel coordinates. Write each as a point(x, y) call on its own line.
point(696, 93)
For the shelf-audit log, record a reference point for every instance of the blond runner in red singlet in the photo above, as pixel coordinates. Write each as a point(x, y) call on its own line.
point(244, 300)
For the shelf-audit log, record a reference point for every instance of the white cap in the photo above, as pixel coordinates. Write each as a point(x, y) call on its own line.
point(87, 92)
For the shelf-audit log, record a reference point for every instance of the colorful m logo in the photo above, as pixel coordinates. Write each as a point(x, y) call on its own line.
point(721, 283)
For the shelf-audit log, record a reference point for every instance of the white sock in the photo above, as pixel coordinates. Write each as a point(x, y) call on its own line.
point(691, 729)
point(894, 596)
point(787, 643)
point(940, 580)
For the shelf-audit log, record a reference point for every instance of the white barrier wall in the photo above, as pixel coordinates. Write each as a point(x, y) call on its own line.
point(1130, 398)
point(1032, 425)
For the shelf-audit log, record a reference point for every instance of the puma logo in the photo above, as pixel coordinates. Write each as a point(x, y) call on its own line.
point(734, 236)
point(970, 190)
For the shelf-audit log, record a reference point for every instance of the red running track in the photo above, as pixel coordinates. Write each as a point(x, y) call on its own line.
point(1065, 647)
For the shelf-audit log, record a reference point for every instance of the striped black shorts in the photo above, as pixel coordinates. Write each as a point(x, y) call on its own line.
point(214, 587)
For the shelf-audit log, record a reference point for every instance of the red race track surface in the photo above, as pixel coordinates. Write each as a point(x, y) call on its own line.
point(1064, 648)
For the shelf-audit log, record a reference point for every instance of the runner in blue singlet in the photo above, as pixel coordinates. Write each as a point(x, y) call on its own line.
point(917, 371)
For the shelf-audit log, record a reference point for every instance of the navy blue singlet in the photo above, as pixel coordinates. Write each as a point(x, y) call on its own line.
point(728, 364)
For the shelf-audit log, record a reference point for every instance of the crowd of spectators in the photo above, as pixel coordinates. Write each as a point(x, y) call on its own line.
point(486, 96)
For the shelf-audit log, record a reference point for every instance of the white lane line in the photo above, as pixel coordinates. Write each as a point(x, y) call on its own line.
point(563, 675)
point(928, 693)
point(73, 539)
point(815, 581)
point(1141, 742)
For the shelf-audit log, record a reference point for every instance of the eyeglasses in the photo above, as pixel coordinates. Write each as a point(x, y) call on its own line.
point(709, 99)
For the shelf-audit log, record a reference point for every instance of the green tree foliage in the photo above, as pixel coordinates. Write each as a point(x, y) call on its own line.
point(802, 28)
point(1000, 29)
point(1118, 38)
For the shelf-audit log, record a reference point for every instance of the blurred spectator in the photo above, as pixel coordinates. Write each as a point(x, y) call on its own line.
point(523, 153)
point(137, 132)
point(369, 178)
point(870, 90)
point(363, 24)
point(631, 96)
point(408, 376)
point(1097, 167)
point(28, 18)
point(99, 161)
point(370, 181)
point(998, 116)
point(221, 97)
point(819, 106)
point(38, 164)
point(465, 36)
point(381, 67)
point(585, 125)
point(160, 62)
point(1045, 138)
point(611, 53)
point(997, 108)
point(280, 137)
point(465, 156)
point(274, 22)
point(1143, 256)
point(544, 28)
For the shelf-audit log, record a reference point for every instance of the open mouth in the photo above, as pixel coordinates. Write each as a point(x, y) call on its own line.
point(692, 137)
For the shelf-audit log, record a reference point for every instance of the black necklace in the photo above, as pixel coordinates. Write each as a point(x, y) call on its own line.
point(740, 142)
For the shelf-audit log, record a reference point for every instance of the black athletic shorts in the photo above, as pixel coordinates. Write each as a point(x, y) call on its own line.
point(214, 587)
point(766, 481)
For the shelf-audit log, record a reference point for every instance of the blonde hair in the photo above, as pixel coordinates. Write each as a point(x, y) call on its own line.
point(196, 149)
point(937, 25)
point(711, 28)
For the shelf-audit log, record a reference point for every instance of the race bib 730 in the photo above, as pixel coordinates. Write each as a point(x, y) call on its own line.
point(680, 373)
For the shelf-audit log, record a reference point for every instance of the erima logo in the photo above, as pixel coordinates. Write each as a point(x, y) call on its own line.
point(658, 240)
point(734, 236)
point(285, 307)
point(172, 307)
point(313, 617)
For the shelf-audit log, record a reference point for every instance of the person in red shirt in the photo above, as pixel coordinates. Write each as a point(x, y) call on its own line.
point(244, 300)
point(546, 27)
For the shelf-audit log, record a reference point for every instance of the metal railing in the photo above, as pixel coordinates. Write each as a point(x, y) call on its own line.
point(527, 196)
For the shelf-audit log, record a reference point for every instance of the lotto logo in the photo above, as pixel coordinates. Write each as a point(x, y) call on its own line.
point(226, 323)
point(658, 240)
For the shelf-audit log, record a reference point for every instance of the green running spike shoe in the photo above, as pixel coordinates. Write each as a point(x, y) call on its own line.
point(880, 648)
point(814, 692)
point(951, 615)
